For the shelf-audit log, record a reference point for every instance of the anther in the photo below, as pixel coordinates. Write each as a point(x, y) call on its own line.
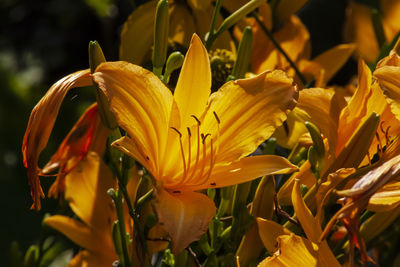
point(216, 117)
point(189, 133)
point(176, 130)
point(203, 137)
point(198, 121)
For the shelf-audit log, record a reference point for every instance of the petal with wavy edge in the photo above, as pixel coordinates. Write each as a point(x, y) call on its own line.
point(269, 231)
point(243, 170)
point(141, 103)
point(194, 83)
point(41, 124)
point(248, 111)
point(184, 215)
point(293, 250)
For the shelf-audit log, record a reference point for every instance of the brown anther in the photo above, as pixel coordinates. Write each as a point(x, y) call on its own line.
point(189, 132)
point(213, 184)
point(194, 117)
point(203, 137)
point(176, 130)
point(216, 117)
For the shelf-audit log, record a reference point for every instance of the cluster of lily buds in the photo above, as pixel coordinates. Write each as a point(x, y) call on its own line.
point(277, 167)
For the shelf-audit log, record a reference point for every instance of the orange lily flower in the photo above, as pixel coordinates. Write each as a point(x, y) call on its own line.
point(191, 141)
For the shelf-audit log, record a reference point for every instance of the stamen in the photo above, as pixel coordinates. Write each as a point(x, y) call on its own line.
point(182, 151)
point(190, 152)
point(379, 146)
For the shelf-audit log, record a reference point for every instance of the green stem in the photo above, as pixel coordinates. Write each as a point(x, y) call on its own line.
point(117, 197)
point(211, 32)
point(231, 20)
point(280, 49)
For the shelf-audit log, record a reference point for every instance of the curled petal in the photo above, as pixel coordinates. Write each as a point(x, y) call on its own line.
point(40, 125)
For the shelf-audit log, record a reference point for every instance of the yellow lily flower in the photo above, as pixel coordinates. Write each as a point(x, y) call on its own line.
point(191, 141)
point(359, 29)
point(86, 191)
point(293, 250)
point(294, 39)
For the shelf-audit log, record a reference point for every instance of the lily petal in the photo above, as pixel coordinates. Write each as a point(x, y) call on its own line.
point(86, 191)
point(293, 250)
point(141, 103)
point(194, 83)
point(243, 170)
point(269, 231)
point(41, 124)
point(82, 235)
point(387, 198)
point(246, 112)
point(311, 227)
point(184, 215)
point(333, 59)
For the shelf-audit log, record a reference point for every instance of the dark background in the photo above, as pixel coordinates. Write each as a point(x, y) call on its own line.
point(42, 41)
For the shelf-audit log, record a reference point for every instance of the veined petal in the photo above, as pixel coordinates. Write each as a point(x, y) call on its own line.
point(311, 227)
point(194, 83)
point(243, 170)
point(141, 103)
point(184, 215)
point(333, 59)
point(41, 124)
point(82, 235)
point(246, 112)
point(293, 250)
point(86, 191)
point(269, 231)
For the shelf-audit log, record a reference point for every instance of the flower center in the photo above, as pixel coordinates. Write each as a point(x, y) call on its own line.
point(204, 146)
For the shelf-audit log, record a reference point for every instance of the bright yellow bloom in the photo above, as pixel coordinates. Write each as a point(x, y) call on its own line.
point(359, 29)
point(191, 141)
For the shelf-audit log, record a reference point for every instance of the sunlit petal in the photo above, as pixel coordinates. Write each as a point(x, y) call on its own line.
point(141, 104)
point(184, 215)
point(269, 231)
point(249, 111)
point(194, 83)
